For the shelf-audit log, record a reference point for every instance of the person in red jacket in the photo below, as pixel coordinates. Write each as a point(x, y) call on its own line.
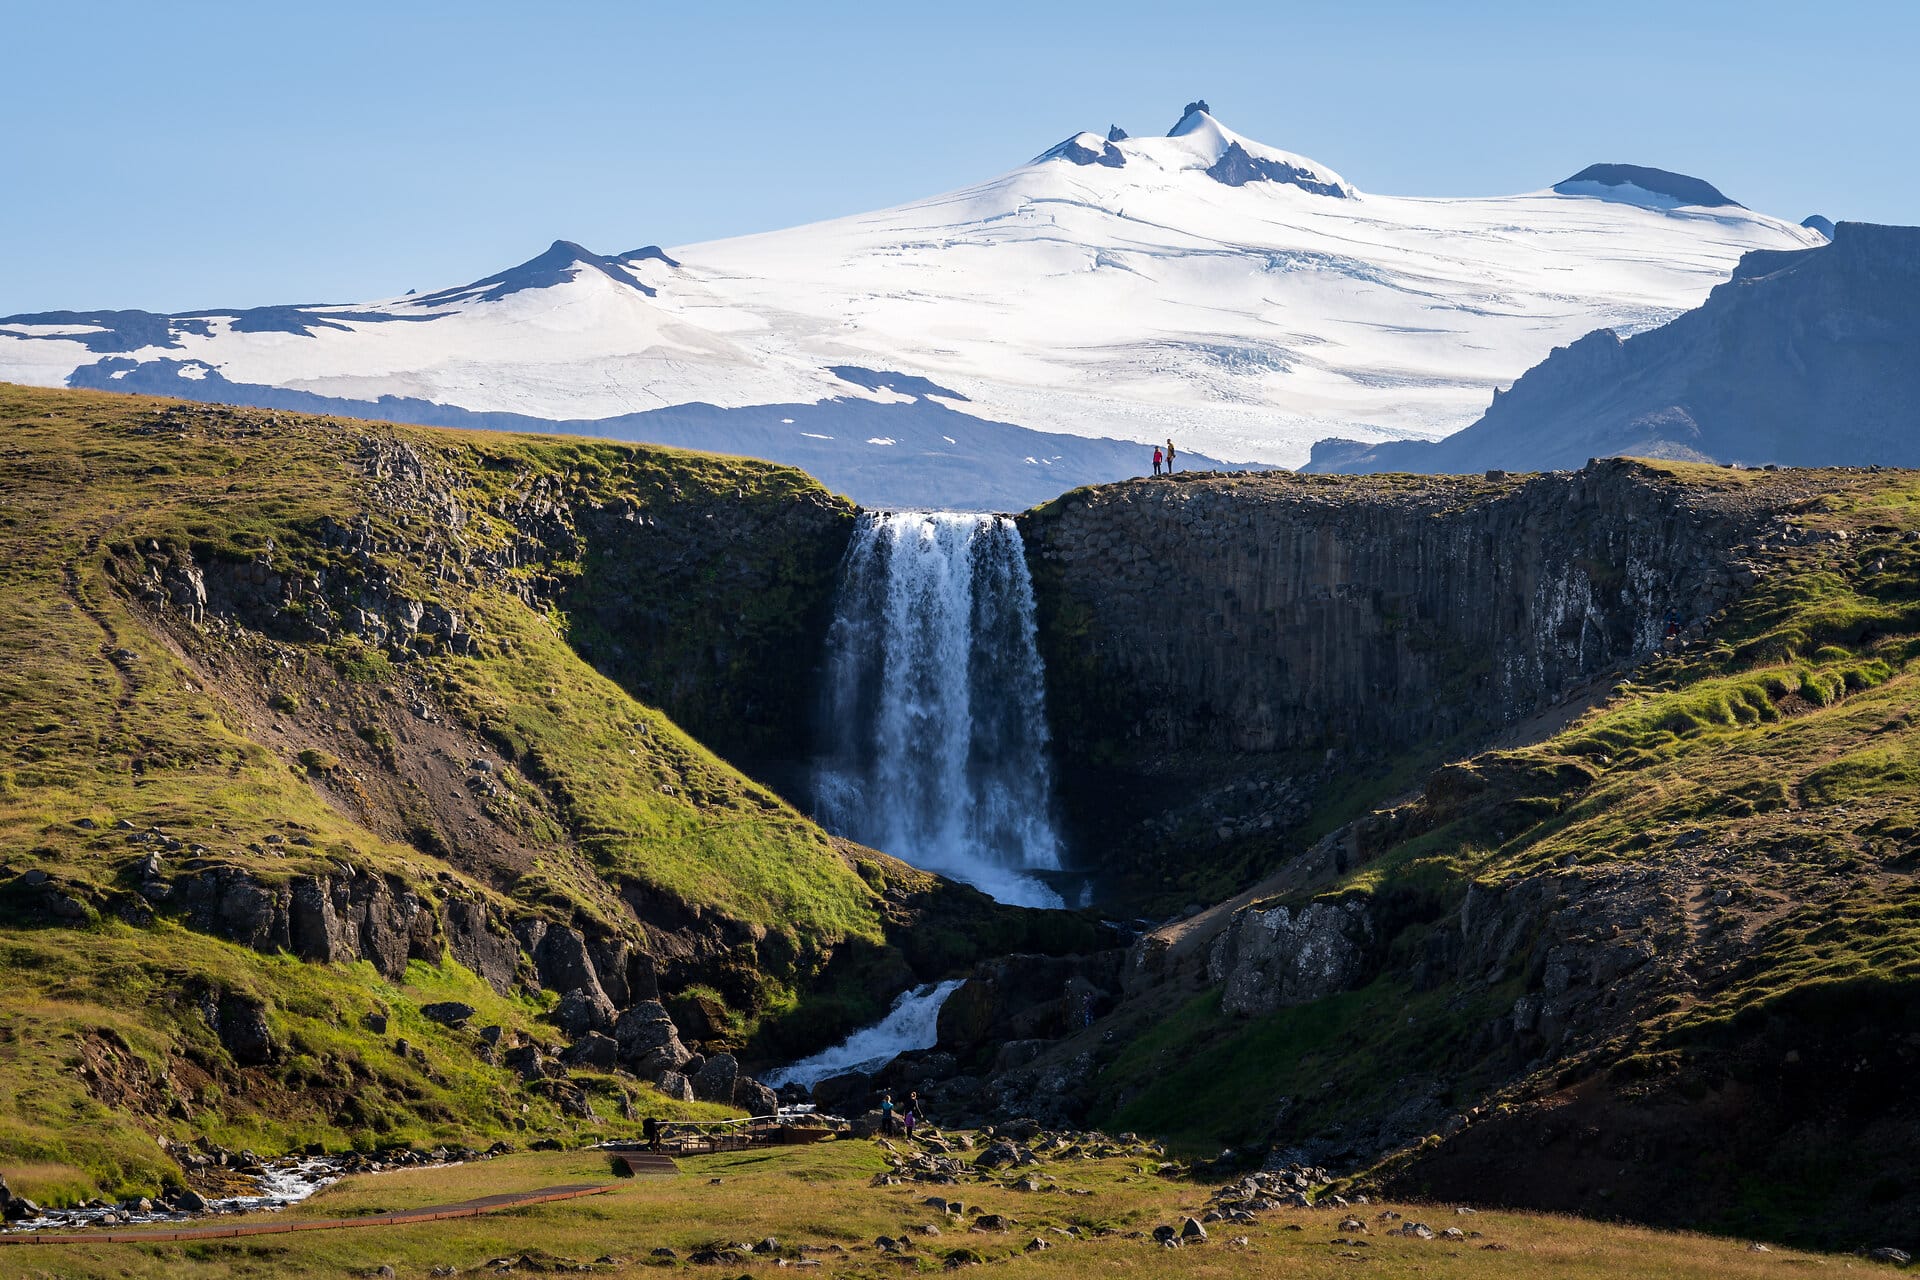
point(1156, 459)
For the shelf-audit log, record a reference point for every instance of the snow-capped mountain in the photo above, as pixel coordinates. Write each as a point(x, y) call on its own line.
point(1242, 299)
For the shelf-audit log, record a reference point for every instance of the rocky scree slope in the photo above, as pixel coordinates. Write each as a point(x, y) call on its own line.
point(283, 690)
point(1655, 956)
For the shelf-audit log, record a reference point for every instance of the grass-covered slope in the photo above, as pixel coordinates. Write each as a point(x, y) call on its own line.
point(246, 656)
point(1664, 962)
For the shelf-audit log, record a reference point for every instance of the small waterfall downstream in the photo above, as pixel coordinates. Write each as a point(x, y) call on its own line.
point(912, 1023)
point(935, 735)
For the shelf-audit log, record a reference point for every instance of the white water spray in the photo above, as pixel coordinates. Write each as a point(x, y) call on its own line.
point(936, 735)
point(912, 1023)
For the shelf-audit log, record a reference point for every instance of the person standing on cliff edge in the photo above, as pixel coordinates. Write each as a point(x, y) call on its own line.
point(1156, 460)
point(1169, 455)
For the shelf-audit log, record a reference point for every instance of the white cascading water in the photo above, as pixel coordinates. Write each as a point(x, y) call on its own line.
point(912, 1023)
point(935, 733)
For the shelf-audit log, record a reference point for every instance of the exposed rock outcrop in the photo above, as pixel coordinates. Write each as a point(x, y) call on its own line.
point(1272, 957)
point(648, 1041)
point(327, 919)
point(1263, 613)
point(1026, 997)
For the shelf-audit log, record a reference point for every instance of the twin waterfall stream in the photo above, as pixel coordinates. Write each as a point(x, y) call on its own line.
point(934, 737)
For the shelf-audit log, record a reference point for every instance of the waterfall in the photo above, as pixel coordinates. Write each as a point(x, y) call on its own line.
point(912, 1023)
point(935, 734)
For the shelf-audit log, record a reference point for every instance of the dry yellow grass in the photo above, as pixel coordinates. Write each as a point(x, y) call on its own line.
point(817, 1202)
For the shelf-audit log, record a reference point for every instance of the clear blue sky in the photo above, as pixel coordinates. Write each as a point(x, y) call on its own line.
point(175, 155)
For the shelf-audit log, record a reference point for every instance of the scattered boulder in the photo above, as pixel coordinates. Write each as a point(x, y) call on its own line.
point(527, 1060)
point(448, 1013)
point(716, 1078)
point(997, 1155)
point(583, 1009)
point(649, 1042)
point(675, 1086)
point(592, 1050)
point(754, 1098)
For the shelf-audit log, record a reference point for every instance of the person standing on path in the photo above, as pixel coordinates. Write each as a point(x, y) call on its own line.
point(1156, 460)
point(886, 1115)
point(1169, 455)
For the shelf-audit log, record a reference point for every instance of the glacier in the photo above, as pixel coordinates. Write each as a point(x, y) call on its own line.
point(1244, 300)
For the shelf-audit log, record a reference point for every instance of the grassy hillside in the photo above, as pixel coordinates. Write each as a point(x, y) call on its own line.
point(1664, 962)
point(242, 651)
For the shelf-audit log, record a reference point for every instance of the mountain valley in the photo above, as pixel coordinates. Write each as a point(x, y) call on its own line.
point(1542, 841)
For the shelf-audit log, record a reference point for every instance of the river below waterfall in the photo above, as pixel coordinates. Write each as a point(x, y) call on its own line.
point(934, 741)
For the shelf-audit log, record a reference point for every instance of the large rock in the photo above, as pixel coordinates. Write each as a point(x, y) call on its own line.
point(479, 943)
point(716, 1078)
point(330, 919)
point(649, 1042)
point(242, 1026)
point(754, 1098)
point(675, 1086)
point(1028, 997)
point(1242, 620)
point(1269, 959)
point(593, 1050)
point(842, 1095)
point(609, 957)
point(582, 1010)
point(527, 1060)
point(448, 1013)
point(565, 964)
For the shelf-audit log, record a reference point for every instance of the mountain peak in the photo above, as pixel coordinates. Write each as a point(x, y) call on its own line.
point(562, 261)
point(1190, 117)
point(1201, 142)
point(1639, 184)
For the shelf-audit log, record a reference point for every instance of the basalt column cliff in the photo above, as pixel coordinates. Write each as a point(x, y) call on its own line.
point(1221, 627)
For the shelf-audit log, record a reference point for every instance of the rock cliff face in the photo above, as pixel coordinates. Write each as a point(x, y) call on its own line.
point(1267, 613)
point(1277, 956)
point(1215, 627)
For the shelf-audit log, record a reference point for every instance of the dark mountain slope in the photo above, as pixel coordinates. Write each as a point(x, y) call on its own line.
point(1808, 358)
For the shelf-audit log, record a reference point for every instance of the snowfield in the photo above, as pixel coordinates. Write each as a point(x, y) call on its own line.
point(1244, 300)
